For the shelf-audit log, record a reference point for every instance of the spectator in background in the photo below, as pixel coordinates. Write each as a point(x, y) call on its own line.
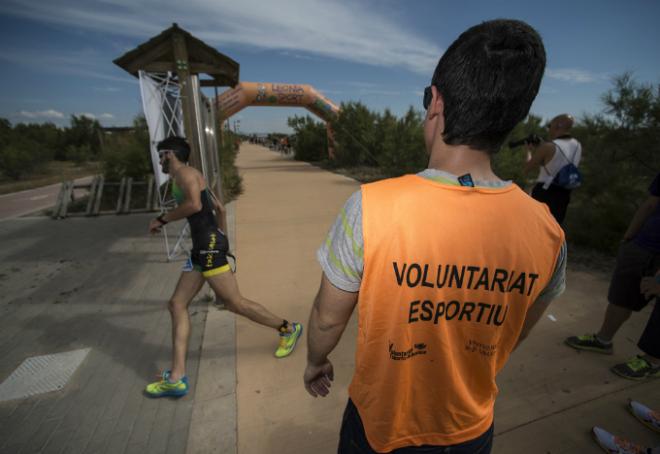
point(549, 158)
point(638, 260)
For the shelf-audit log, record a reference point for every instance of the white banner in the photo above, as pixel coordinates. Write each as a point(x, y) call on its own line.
point(162, 110)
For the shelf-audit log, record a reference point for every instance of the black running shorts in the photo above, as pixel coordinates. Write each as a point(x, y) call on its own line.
point(632, 264)
point(209, 256)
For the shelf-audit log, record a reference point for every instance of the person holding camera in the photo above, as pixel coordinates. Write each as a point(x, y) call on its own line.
point(557, 161)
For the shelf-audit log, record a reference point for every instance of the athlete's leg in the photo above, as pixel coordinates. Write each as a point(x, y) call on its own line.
point(226, 288)
point(190, 283)
point(615, 316)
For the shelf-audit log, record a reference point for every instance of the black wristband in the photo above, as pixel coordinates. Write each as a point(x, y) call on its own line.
point(161, 220)
point(283, 326)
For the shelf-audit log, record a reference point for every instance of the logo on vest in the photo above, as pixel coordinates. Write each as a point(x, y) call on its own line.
point(417, 349)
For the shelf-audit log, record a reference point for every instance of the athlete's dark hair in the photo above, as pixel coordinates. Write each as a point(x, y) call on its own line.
point(178, 145)
point(488, 79)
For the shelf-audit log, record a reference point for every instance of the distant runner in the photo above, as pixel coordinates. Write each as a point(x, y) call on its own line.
point(207, 262)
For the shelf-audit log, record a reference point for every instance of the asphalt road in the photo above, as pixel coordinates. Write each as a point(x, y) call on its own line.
point(21, 203)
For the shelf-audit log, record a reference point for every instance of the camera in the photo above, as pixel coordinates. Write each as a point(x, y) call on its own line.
point(531, 139)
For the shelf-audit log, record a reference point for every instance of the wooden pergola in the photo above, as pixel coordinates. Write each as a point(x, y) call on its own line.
point(176, 50)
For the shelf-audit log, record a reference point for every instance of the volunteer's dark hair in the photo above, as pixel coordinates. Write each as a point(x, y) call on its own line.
point(488, 79)
point(178, 145)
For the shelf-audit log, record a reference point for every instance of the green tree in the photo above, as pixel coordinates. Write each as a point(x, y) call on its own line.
point(128, 155)
point(508, 163)
point(310, 139)
point(48, 137)
point(20, 156)
point(621, 156)
point(232, 183)
point(356, 141)
point(83, 131)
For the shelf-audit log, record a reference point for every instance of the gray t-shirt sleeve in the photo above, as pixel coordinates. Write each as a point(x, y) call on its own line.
point(342, 254)
point(557, 283)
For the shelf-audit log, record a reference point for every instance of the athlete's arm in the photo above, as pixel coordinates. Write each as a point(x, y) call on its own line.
point(540, 157)
point(643, 212)
point(331, 311)
point(555, 287)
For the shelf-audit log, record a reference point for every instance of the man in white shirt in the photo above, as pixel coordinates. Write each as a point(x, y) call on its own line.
point(549, 158)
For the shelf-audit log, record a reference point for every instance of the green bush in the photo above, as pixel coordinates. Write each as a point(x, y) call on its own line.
point(621, 157)
point(49, 137)
point(232, 183)
point(508, 163)
point(20, 157)
point(401, 150)
point(78, 153)
point(310, 139)
point(83, 131)
point(128, 155)
point(355, 134)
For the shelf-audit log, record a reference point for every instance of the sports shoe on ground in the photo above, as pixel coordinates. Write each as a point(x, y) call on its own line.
point(288, 341)
point(165, 388)
point(588, 342)
point(616, 445)
point(648, 417)
point(636, 368)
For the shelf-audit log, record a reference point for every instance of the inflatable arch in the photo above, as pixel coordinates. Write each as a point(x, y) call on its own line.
point(246, 94)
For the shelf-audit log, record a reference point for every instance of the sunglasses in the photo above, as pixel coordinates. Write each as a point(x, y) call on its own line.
point(428, 96)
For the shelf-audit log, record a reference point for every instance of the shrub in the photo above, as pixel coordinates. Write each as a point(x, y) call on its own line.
point(310, 141)
point(128, 155)
point(232, 183)
point(20, 157)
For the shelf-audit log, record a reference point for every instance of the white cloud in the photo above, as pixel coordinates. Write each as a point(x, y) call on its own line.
point(572, 75)
point(106, 116)
point(340, 29)
point(50, 113)
point(78, 63)
point(91, 116)
point(107, 89)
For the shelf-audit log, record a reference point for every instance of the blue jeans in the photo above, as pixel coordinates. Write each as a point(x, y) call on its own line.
point(352, 440)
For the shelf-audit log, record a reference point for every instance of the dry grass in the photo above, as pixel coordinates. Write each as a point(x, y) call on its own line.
point(52, 172)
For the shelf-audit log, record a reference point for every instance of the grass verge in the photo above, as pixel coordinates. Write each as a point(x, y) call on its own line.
point(52, 172)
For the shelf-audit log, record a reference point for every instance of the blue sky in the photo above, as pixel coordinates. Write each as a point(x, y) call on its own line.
point(57, 55)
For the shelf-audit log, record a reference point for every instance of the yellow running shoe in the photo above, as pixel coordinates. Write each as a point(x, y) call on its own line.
point(164, 387)
point(288, 341)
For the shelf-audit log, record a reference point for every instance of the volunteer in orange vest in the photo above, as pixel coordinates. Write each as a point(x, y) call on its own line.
point(449, 268)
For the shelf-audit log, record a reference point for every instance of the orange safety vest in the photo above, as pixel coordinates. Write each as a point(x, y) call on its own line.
point(449, 273)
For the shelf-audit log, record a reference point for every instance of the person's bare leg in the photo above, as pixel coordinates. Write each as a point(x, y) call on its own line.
point(226, 288)
point(190, 283)
point(615, 316)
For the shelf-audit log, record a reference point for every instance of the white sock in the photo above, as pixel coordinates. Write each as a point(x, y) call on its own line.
point(653, 362)
point(602, 341)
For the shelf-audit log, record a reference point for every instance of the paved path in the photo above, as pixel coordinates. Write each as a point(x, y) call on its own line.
point(281, 219)
point(101, 283)
point(24, 202)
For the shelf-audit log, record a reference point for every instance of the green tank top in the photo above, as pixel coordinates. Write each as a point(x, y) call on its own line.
point(177, 193)
point(202, 222)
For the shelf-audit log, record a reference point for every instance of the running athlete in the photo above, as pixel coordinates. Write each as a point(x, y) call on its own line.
point(207, 262)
